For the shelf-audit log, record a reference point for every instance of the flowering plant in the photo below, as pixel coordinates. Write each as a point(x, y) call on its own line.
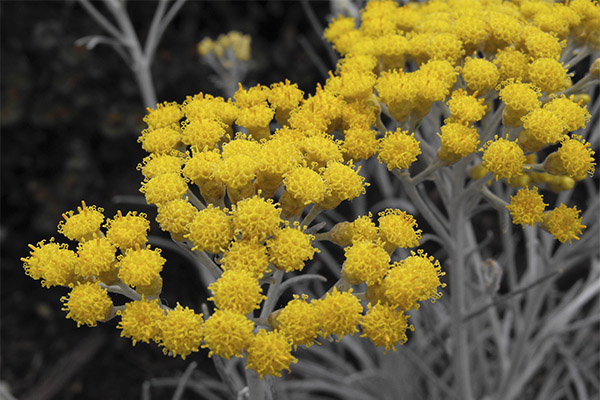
point(447, 111)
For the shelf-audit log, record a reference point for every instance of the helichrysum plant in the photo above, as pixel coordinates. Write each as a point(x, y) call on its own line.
point(478, 97)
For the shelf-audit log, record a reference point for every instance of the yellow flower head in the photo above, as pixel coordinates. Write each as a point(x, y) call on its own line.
point(141, 320)
point(540, 44)
point(256, 218)
point(163, 163)
point(256, 119)
point(297, 320)
point(81, 226)
point(458, 140)
point(52, 262)
point(319, 149)
point(512, 64)
point(127, 231)
point(504, 158)
point(237, 171)
point(505, 29)
point(541, 127)
point(573, 158)
point(164, 115)
point(202, 106)
point(471, 30)
point(444, 46)
point(211, 229)
point(366, 261)
point(160, 140)
point(284, 97)
point(203, 132)
point(385, 326)
point(202, 166)
point(181, 331)
point(290, 248)
point(95, 257)
point(564, 223)
point(227, 334)
point(269, 353)
point(87, 304)
point(398, 229)
point(527, 207)
point(338, 313)
point(238, 291)
point(398, 149)
point(359, 143)
point(346, 233)
point(305, 185)
point(246, 255)
point(343, 183)
point(398, 90)
point(414, 279)
point(176, 216)
point(573, 114)
point(254, 96)
point(549, 75)
point(480, 74)
point(465, 108)
point(519, 98)
point(140, 266)
point(164, 188)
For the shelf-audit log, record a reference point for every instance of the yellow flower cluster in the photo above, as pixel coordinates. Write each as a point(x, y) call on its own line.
point(271, 154)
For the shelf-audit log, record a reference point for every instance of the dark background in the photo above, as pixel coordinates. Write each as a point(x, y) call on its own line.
point(70, 118)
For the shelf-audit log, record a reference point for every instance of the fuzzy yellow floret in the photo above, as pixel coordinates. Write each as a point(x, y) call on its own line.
point(527, 207)
point(52, 262)
point(465, 108)
point(458, 140)
point(201, 106)
point(269, 353)
point(320, 149)
point(398, 90)
point(140, 266)
point(346, 233)
point(160, 140)
point(254, 96)
point(176, 216)
point(343, 182)
point(95, 257)
point(398, 149)
point(237, 291)
point(471, 30)
point(284, 97)
point(305, 185)
point(414, 279)
point(164, 115)
point(398, 229)
point(512, 64)
point(256, 218)
point(503, 158)
point(385, 326)
point(202, 132)
point(163, 163)
point(539, 44)
point(297, 320)
point(338, 313)
point(519, 98)
point(480, 74)
point(181, 332)
point(256, 120)
point(366, 261)
point(290, 248)
point(574, 158)
point(246, 255)
point(87, 304)
point(141, 320)
point(564, 223)
point(211, 229)
point(201, 167)
point(573, 114)
point(548, 74)
point(125, 231)
point(227, 334)
point(164, 188)
point(83, 225)
point(504, 29)
point(541, 127)
point(359, 143)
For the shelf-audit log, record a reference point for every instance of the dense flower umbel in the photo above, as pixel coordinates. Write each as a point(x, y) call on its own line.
point(495, 69)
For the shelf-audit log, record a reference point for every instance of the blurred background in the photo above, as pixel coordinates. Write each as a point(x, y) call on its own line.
point(70, 118)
